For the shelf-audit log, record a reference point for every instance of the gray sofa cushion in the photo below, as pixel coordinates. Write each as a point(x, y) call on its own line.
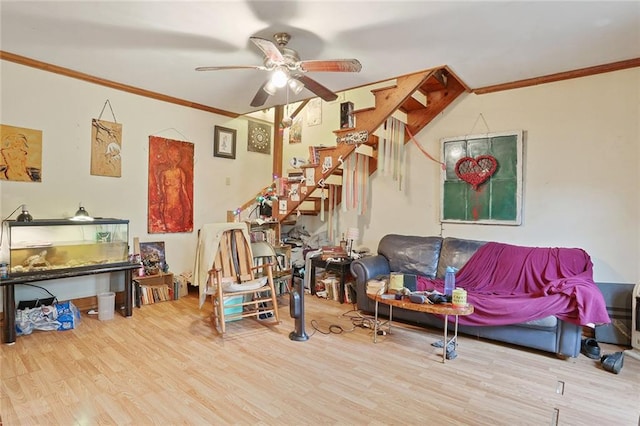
point(546, 322)
point(411, 254)
point(456, 252)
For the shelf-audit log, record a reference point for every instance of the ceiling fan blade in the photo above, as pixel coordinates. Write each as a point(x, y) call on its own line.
point(316, 88)
point(261, 96)
point(232, 67)
point(335, 65)
point(269, 49)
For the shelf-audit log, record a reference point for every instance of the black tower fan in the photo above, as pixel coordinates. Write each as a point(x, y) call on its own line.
point(296, 310)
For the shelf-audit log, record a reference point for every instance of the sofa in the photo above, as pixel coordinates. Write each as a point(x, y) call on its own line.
point(429, 257)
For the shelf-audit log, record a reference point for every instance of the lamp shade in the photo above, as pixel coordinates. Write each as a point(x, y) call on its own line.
point(24, 216)
point(296, 86)
point(353, 233)
point(280, 77)
point(82, 214)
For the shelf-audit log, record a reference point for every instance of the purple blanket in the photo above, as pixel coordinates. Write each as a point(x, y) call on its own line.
point(510, 284)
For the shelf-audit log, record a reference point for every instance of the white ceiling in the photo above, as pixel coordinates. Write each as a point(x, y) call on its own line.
point(156, 45)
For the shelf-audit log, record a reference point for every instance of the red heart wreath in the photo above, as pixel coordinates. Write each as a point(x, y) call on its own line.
point(477, 170)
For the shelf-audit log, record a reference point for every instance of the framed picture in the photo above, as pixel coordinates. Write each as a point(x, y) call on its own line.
point(259, 137)
point(224, 142)
point(482, 182)
point(153, 257)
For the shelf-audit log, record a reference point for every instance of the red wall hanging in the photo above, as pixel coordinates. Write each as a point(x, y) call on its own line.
point(477, 170)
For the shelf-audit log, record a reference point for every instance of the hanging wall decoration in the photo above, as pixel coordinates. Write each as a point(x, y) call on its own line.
point(106, 145)
point(295, 131)
point(20, 154)
point(170, 204)
point(476, 171)
point(482, 179)
point(314, 112)
point(259, 137)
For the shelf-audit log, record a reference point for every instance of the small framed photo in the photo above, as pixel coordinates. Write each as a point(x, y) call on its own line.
point(153, 257)
point(224, 142)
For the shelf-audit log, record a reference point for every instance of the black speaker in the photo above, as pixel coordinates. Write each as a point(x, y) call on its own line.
point(346, 115)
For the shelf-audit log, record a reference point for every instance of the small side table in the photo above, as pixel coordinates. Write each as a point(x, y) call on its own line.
point(445, 309)
point(342, 267)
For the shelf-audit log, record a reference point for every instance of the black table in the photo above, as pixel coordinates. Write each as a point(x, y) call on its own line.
point(8, 287)
point(341, 266)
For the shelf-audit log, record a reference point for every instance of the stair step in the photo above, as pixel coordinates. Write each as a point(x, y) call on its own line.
point(384, 89)
point(438, 81)
point(411, 104)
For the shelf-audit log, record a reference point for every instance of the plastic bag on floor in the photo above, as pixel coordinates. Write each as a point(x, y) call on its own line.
point(60, 316)
point(40, 318)
point(68, 315)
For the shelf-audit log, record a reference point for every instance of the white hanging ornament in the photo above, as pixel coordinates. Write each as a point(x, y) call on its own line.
point(297, 162)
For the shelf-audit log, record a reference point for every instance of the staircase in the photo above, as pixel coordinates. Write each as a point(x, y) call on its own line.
point(420, 96)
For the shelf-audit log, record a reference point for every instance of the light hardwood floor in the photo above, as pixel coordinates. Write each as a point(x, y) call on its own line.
point(165, 365)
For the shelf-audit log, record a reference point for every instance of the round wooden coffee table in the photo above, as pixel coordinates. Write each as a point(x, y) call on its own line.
point(445, 309)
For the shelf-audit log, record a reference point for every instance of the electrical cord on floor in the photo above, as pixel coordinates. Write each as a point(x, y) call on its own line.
point(333, 329)
point(362, 321)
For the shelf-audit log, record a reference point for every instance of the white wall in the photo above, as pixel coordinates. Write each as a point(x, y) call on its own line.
point(581, 178)
point(581, 170)
point(63, 107)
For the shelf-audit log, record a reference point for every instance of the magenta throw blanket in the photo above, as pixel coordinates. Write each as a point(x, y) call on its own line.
point(510, 284)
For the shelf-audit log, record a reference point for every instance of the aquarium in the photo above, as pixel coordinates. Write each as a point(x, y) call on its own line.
point(46, 245)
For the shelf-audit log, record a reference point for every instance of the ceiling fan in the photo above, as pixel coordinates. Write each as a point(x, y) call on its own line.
point(289, 70)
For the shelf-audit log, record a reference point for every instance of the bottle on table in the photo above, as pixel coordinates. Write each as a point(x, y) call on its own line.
point(449, 282)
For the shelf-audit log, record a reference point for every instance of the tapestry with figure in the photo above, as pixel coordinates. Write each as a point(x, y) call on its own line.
point(170, 196)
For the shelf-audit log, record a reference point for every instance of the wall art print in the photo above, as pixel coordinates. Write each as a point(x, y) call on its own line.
point(224, 142)
point(259, 137)
point(20, 154)
point(295, 131)
point(106, 147)
point(314, 112)
point(482, 180)
point(153, 257)
point(170, 191)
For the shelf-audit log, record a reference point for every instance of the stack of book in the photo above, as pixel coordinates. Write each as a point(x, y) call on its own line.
point(376, 286)
point(332, 287)
point(148, 294)
point(333, 252)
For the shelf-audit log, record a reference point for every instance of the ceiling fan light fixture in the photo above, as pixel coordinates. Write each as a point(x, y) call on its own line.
point(270, 88)
point(280, 77)
point(296, 86)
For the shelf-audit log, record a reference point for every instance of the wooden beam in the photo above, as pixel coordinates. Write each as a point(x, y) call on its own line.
point(582, 72)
